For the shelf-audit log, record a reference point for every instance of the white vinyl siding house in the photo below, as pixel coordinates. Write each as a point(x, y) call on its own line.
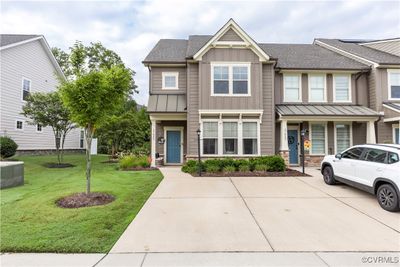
point(27, 68)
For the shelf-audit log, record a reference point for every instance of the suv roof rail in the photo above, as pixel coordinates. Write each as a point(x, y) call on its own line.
point(387, 145)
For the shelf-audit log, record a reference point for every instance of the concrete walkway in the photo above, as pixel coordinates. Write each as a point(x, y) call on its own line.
point(202, 259)
point(258, 214)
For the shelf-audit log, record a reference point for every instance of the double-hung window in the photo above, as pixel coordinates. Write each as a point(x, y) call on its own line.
point(318, 138)
point(170, 80)
point(394, 84)
point(343, 136)
point(292, 87)
point(342, 87)
point(210, 138)
point(26, 88)
point(230, 138)
point(317, 91)
point(230, 79)
point(250, 138)
point(19, 125)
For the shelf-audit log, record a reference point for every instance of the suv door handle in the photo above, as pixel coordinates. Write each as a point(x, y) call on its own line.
point(379, 169)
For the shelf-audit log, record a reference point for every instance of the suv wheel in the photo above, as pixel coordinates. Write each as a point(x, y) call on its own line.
point(387, 197)
point(328, 175)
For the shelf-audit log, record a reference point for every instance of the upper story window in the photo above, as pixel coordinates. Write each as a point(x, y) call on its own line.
point(342, 88)
point(39, 128)
point(170, 80)
point(394, 84)
point(292, 87)
point(317, 88)
point(230, 79)
point(19, 125)
point(26, 88)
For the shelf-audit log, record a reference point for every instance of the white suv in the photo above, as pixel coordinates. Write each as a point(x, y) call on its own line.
point(372, 168)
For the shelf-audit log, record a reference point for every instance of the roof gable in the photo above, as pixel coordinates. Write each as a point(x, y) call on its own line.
point(231, 30)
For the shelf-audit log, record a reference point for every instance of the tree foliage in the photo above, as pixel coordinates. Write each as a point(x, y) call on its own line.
point(47, 109)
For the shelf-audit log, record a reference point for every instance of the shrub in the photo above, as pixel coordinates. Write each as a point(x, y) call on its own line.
point(261, 167)
point(7, 147)
point(191, 166)
point(212, 168)
point(244, 168)
point(240, 162)
point(276, 164)
point(229, 169)
point(131, 161)
point(226, 162)
point(212, 165)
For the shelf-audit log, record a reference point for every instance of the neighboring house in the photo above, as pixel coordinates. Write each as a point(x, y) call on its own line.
point(27, 66)
point(250, 99)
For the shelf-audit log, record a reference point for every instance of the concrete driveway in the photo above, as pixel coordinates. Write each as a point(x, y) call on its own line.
point(258, 214)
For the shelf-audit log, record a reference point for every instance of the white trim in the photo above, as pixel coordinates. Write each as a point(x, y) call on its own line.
point(297, 128)
point(21, 42)
point(23, 125)
point(231, 111)
point(230, 66)
point(231, 24)
point(170, 74)
point(334, 88)
point(299, 75)
point(153, 142)
point(323, 75)
point(392, 119)
point(334, 134)
point(390, 71)
point(327, 118)
point(325, 124)
point(391, 108)
point(330, 47)
point(168, 116)
point(22, 87)
point(317, 71)
point(394, 127)
point(41, 131)
point(173, 128)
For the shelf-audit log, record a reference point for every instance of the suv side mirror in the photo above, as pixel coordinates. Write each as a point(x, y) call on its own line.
point(338, 156)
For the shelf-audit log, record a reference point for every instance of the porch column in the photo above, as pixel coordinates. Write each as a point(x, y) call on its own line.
point(371, 138)
point(284, 139)
point(153, 143)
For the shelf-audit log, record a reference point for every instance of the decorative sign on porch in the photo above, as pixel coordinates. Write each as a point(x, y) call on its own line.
point(307, 144)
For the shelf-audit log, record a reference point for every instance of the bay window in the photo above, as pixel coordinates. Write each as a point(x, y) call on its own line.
point(318, 138)
point(230, 138)
point(250, 138)
point(230, 79)
point(292, 88)
point(343, 137)
point(342, 88)
point(394, 84)
point(210, 138)
point(317, 89)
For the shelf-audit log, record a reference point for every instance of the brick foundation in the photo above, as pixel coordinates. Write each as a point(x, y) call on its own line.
point(313, 161)
point(285, 156)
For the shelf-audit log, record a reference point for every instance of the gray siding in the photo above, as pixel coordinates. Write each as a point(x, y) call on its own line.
point(267, 128)
point(392, 47)
point(30, 61)
point(231, 102)
point(230, 35)
point(156, 80)
point(372, 89)
point(359, 89)
point(193, 108)
point(385, 132)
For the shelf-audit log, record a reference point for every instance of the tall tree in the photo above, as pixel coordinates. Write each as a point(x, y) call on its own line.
point(47, 109)
point(92, 97)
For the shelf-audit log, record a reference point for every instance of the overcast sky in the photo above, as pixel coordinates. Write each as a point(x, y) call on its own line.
point(132, 28)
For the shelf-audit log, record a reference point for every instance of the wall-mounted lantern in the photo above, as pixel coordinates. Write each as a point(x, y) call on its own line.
point(161, 140)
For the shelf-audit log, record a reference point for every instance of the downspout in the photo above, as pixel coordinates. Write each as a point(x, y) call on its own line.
point(358, 75)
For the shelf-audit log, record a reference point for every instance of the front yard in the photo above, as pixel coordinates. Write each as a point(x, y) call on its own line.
point(31, 221)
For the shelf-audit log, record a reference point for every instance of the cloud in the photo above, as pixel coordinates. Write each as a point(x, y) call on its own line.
point(132, 28)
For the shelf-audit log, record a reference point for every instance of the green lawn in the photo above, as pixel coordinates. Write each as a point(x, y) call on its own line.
point(31, 222)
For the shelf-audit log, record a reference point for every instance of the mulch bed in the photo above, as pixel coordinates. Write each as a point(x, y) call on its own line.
point(57, 165)
point(286, 173)
point(141, 169)
point(79, 200)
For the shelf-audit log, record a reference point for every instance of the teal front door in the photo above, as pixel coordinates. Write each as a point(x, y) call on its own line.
point(173, 147)
point(293, 148)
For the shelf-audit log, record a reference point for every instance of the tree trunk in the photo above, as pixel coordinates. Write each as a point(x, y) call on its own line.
point(89, 135)
point(56, 134)
point(112, 150)
point(62, 145)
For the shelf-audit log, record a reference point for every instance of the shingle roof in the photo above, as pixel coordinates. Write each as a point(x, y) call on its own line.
point(167, 103)
point(7, 39)
point(168, 50)
point(362, 51)
point(309, 56)
point(195, 43)
point(324, 110)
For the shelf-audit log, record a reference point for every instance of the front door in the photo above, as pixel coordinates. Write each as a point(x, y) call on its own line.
point(173, 147)
point(293, 146)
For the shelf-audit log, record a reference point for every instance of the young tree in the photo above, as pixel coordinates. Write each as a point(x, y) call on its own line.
point(47, 109)
point(91, 97)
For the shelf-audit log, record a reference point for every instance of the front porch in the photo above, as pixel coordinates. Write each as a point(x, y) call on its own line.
point(327, 130)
